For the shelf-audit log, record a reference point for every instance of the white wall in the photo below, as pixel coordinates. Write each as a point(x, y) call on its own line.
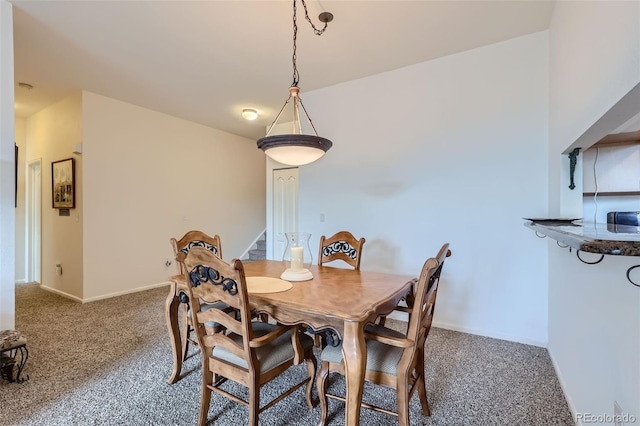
point(149, 177)
point(450, 150)
point(52, 135)
point(594, 313)
point(21, 141)
point(7, 160)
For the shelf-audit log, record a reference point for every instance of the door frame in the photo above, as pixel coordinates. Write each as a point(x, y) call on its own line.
point(33, 235)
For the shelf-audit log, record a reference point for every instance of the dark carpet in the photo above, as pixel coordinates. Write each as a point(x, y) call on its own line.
point(107, 363)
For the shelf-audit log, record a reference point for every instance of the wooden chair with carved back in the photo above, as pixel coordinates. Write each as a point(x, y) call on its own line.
point(183, 245)
point(341, 246)
point(251, 353)
point(394, 359)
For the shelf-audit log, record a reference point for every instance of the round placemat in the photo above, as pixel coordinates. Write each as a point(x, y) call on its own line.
point(267, 285)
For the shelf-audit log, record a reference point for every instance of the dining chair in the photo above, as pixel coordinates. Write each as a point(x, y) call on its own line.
point(184, 245)
point(394, 359)
point(341, 246)
point(251, 353)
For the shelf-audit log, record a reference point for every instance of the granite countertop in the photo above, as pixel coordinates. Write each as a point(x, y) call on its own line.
point(601, 238)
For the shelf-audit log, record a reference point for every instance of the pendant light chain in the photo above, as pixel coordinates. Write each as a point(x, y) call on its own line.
point(296, 77)
point(324, 17)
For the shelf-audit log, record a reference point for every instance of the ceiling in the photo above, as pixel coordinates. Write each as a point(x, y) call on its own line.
point(206, 60)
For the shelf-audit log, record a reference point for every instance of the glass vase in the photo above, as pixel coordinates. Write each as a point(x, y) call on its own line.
point(297, 257)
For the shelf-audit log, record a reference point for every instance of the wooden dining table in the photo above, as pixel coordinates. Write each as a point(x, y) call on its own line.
point(340, 300)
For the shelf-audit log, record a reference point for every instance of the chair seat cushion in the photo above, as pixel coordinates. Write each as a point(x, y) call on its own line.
point(380, 357)
point(272, 354)
point(10, 339)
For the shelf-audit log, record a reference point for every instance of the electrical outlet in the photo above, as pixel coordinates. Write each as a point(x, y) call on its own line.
point(617, 413)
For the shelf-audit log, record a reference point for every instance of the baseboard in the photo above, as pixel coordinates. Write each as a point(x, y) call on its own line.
point(563, 386)
point(61, 293)
point(403, 316)
point(123, 292)
point(485, 333)
point(104, 296)
point(22, 281)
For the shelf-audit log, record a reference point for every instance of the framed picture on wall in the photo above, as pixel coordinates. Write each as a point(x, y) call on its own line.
point(63, 185)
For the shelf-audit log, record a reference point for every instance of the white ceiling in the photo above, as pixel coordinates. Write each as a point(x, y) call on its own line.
point(206, 60)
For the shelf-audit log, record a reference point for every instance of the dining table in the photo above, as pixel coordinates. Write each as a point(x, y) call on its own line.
point(336, 300)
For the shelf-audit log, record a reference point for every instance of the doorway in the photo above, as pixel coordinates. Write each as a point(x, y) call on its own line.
point(34, 220)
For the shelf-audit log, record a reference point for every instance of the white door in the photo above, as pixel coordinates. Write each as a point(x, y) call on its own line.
point(34, 220)
point(285, 207)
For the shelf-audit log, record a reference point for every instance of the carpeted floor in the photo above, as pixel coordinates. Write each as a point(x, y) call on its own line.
point(107, 362)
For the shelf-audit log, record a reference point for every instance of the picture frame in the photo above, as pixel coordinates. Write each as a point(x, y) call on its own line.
point(63, 185)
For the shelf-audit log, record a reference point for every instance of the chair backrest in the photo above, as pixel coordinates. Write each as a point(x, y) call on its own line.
point(425, 297)
point(195, 239)
point(212, 280)
point(342, 245)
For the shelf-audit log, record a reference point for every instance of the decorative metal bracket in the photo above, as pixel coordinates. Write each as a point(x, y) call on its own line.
point(333, 338)
point(183, 297)
point(202, 274)
point(589, 263)
point(340, 247)
point(600, 260)
point(9, 363)
point(629, 275)
point(573, 159)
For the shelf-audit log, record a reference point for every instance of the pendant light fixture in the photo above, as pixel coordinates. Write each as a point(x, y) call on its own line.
point(296, 148)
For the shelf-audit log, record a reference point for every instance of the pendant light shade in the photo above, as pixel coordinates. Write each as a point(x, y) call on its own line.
point(296, 148)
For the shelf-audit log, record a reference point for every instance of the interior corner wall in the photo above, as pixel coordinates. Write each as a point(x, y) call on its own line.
point(21, 142)
point(594, 312)
point(450, 150)
point(149, 177)
point(52, 134)
point(7, 177)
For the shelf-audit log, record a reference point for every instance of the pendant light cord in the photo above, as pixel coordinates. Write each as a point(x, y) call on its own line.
point(324, 17)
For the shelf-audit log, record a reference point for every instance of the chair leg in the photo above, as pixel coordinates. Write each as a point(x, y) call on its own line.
point(254, 401)
point(205, 396)
point(184, 339)
point(420, 383)
point(403, 401)
point(322, 393)
point(312, 366)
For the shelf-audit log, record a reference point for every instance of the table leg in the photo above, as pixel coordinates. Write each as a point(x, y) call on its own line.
point(354, 353)
point(171, 314)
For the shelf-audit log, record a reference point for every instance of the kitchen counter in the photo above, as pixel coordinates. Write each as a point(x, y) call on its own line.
point(601, 238)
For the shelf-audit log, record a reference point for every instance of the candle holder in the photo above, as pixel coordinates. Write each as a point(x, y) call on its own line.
point(297, 257)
